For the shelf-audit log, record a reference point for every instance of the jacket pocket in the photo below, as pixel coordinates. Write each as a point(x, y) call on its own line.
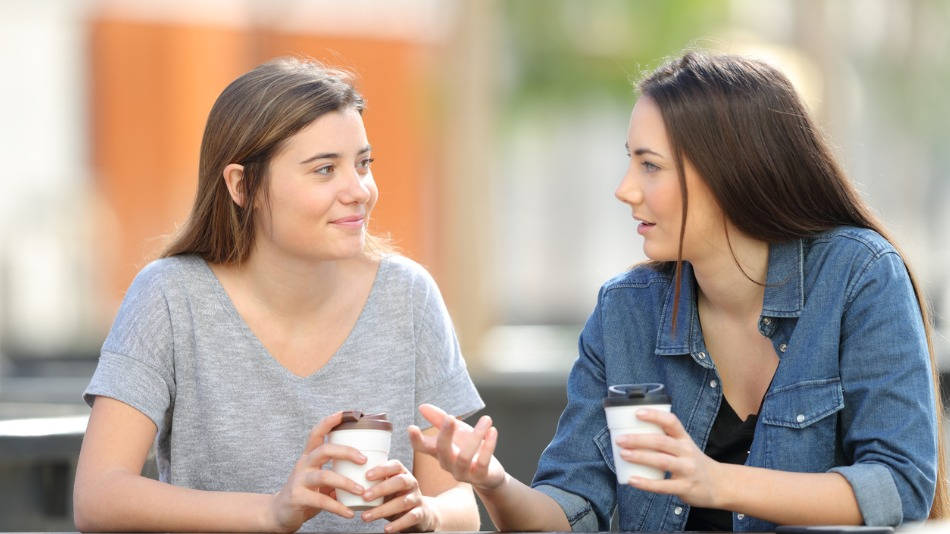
point(602, 440)
point(799, 427)
point(803, 404)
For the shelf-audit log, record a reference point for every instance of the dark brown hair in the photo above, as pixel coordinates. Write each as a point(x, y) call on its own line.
point(248, 124)
point(742, 126)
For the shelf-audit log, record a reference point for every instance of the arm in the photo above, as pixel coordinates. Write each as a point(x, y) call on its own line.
point(109, 489)
point(776, 496)
point(467, 453)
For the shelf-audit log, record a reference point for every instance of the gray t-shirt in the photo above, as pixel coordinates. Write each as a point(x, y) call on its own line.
point(231, 418)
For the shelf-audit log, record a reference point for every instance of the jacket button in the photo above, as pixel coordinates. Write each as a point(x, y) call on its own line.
point(701, 355)
point(678, 510)
point(800, 418)
point(766, 321)
point(740, 517)
point(712, 383)
point(783, 347)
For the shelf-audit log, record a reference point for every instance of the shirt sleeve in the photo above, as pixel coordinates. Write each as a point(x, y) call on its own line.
point(573, 470)
point(889, 417)
point(442, 377)
point(136, 362)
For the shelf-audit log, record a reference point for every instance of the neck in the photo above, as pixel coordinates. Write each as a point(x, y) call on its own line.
point(294, 287)
point(727, 289)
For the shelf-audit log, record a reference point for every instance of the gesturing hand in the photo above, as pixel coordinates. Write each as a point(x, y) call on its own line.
point(692, 474)
point(310, 489)
point(466, 452)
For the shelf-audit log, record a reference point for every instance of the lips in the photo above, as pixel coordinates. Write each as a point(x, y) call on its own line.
point(349, 219)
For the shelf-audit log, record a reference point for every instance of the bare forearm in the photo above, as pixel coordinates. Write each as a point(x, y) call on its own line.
point(122, 501)
point(789, 498)
point(456, 509)
point(514, 506)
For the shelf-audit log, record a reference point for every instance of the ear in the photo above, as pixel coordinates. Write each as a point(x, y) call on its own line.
point(234, 177)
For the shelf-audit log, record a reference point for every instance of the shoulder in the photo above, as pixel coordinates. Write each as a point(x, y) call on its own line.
point(850, 240)
point(847, 249)
point(167, 276)
point(397, 271)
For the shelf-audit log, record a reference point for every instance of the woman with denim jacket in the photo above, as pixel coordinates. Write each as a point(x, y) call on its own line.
point(788, 330)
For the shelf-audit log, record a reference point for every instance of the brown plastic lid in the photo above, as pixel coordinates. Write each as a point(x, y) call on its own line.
point(353, 420)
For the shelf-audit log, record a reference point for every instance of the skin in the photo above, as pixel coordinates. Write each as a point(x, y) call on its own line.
point(300, 291)
point(729, 306)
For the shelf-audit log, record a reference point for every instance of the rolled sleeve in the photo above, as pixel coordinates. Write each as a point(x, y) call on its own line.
point(876, 493)
point(134, 383)
point(580, 514)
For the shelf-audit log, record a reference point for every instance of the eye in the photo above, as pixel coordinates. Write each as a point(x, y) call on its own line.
point(326, 170)
point(364, 164)
point(649, 167)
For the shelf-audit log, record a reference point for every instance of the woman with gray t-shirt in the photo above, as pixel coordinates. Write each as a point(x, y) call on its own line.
point(272, 312)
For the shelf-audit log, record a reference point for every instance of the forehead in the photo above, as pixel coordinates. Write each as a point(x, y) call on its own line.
point(337, 131)
point(646, 127)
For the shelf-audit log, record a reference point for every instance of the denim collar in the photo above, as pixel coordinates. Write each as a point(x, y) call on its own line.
point(784, 297)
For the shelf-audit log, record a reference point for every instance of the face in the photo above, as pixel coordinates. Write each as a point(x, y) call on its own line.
point(652, 189)
point(320, 191)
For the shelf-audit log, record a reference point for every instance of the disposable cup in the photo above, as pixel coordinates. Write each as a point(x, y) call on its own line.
point(371, 435)
point(621, 405)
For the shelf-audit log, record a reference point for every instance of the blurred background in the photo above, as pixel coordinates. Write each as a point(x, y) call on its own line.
point(498, 130)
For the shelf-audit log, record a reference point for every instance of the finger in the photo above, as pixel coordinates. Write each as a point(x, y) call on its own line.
point(411, 518)
point(332, 451)
point(658, 460)
point(433, 414)
point(665, 486)
point(401, 483)
point(444, 446)
point(667, 421)
point(420, 442)
point(652, 441)
point(487, 449)
point(320, 501)
point(394, 507)
point(471, 444)
point(386, 470)
point(324, 478)
point(320, 431)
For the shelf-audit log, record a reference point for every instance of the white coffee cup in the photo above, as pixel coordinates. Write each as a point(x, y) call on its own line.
point(371, 435)
point(621, 406)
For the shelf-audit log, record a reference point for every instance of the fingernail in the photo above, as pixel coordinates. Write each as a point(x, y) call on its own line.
point(367, 516)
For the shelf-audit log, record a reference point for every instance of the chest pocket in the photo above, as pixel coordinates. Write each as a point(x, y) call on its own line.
point(800, 425)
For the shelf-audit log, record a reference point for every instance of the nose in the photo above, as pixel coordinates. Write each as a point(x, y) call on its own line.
point(356, 189)
point(629, 191)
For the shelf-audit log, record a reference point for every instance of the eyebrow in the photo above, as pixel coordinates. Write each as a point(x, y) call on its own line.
point(642, 151)
point(333, 155)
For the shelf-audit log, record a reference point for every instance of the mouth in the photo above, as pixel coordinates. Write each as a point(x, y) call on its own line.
point(350, 221)
point(644, 221)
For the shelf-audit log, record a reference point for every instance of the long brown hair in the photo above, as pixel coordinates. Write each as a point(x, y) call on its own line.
point(248, 124)
point(742, 126)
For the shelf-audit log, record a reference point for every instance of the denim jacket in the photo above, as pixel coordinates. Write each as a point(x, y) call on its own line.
point(852, 393)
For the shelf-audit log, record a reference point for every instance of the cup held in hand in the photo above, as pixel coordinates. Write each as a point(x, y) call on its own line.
point(371, 435)
point(620, 406)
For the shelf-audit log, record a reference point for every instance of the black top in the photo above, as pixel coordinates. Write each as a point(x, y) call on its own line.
point(729, 442)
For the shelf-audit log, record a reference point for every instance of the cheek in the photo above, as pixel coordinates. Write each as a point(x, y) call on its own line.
point(373, 195)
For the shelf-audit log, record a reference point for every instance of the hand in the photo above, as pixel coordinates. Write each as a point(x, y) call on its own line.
point(310, 489)
point(693, 475)
point(465, 452)
point(404, 505)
